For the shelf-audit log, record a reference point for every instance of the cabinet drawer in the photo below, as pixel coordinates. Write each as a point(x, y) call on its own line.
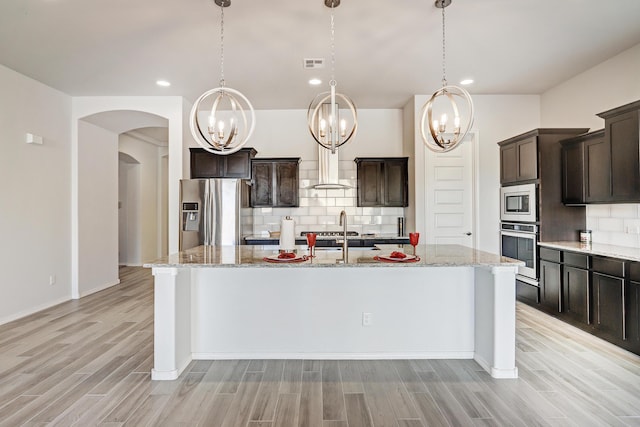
point(550, 254)
point(609, 266)
point(634, 271)
point(527, 293)
point(576, 260)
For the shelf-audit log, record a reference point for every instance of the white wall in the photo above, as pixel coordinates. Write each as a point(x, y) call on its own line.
point(35, 237)
point(575, 103)
point(149, 158)
point(97, 208)
point(497, 117)
point(284, 133)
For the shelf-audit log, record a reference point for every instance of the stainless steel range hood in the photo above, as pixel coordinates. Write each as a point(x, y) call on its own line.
point(328, 171)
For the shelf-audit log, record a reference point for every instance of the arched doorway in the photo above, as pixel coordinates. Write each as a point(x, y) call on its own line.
point(98, 199)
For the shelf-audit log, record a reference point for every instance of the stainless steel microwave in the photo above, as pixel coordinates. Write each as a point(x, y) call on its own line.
point(519, 203)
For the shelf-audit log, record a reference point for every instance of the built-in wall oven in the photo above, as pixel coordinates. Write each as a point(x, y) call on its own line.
point(520, 241)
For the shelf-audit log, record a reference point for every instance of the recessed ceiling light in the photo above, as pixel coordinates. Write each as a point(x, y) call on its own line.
point(163, 83)
point(315, 82)
point(466, 82)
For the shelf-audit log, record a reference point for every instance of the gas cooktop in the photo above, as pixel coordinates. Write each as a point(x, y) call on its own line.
point(329, 233)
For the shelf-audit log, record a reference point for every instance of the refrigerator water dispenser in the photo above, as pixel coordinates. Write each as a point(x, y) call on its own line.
point(190, 217)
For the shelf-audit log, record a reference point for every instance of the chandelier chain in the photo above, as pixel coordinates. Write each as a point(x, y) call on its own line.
point(222, 45)
point(444, 74)
point(333, 47)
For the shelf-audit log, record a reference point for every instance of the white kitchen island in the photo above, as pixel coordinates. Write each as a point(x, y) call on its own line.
point(228, 303)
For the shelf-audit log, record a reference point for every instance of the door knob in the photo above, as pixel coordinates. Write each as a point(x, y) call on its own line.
point(468, 233)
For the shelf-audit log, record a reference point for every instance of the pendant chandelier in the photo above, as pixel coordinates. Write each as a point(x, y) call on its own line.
point(323, 119)
point(436, 134)
point(230, 118)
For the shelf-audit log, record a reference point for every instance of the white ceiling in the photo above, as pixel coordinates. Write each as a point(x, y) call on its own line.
point(386, 50)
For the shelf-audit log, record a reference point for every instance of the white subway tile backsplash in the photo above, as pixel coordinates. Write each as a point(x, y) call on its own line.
point(599, 210)
point(614, 224)
point(345, 201)
point(317, 210)
point(308, 220)
point(624, 211)
point(335, 193)
point(611, 224)
point(623, 239)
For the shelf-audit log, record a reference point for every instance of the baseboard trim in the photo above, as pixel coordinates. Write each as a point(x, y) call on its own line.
point(34, 310)
point(98, 289)
point(334, 356)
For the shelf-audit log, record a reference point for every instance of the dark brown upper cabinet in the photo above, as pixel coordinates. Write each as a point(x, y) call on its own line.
point(519, 161)
point(622, 135)
point(586, 169)
point(274, 182)
point(383, 181)
point(208, 165)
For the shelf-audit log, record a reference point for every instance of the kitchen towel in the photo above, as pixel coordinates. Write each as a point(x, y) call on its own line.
point(287, 234)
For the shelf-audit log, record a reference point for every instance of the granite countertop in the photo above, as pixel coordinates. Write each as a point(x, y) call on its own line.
point(252, 256)
point(623, 252)
point(360, 236)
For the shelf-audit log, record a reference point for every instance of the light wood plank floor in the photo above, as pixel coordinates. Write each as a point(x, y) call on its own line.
point(87, 362)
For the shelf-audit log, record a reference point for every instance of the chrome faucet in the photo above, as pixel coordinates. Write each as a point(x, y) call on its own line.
point(345, 244)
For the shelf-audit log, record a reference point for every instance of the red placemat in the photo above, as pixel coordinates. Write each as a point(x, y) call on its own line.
point(275, 259)
point(396, 260)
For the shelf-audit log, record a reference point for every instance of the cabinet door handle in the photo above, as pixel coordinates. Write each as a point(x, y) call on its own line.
point(468, 233)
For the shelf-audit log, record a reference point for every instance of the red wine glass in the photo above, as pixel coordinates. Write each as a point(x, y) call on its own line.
point(413, 239)
point(311, 241)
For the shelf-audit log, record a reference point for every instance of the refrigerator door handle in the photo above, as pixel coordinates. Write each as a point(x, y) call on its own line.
point(206, 214)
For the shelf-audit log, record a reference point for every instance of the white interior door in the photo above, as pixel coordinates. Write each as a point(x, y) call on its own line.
point(450, 191)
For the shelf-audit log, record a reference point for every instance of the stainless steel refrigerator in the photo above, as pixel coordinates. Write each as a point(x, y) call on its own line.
point(210, 212)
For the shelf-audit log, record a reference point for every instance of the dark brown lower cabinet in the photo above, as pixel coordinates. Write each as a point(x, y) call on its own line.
point(608, 295)
point(598, 294)
point(575, 290)
point(632, 308)
point(550, 283)
point(633, 316)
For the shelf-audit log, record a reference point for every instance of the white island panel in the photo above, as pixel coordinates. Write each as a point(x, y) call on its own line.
point(318, 313)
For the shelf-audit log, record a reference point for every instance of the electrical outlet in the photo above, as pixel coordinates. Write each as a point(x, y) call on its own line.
point(632, 229)
point(367, 319)
point(52, 279)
